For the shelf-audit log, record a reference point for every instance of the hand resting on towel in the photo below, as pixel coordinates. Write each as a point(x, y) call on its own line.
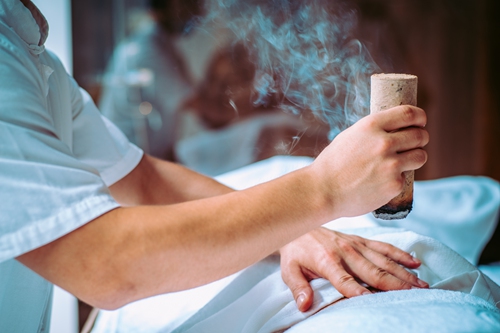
point(344, 260)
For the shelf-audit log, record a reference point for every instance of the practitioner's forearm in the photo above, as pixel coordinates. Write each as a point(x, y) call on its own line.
point(159, 182)
point(205, 240)
point(136, 252)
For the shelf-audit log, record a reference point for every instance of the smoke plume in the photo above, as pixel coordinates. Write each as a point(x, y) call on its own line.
point(307, 59)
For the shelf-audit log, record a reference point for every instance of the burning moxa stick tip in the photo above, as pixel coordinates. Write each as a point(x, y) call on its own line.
point(400, 206)
point(387, 91)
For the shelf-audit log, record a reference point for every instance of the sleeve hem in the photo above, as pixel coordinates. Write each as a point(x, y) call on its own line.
point(123, 167)
point(47, 230)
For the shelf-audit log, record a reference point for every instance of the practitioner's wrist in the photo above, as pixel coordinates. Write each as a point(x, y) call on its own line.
point(319, 195)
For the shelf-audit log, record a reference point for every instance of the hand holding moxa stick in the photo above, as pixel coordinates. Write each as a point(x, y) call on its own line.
point(387, 91)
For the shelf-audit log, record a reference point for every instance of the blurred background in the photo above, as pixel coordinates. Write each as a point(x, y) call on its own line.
point(184, 94)
point(451, 45)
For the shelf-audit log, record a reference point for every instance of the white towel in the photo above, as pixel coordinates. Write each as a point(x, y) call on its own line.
point(407, 311)
point(258, 300)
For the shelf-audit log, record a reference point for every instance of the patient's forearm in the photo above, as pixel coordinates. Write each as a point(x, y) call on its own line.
point(136, 252)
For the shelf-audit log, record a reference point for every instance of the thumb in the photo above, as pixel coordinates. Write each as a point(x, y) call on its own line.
point(300, 288)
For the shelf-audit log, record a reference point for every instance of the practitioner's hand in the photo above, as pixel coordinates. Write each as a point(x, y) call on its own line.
point(361, 170)
point(344, 260)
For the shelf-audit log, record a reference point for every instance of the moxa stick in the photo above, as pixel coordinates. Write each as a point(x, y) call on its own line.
point(387, 91)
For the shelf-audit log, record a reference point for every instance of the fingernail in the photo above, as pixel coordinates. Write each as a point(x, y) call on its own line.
point(300, 300)
point(422, 284)
point(414, 257)
point(367, 293)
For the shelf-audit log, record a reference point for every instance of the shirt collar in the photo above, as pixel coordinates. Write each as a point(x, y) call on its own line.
point(28, 23)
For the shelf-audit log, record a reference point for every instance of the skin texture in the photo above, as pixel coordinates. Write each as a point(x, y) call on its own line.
point(178, 229)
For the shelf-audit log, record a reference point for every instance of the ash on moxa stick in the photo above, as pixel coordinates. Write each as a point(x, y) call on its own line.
point(387, 91)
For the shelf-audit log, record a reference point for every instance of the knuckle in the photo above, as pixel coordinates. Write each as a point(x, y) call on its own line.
point(409, 114)
point(384, 145)
point(418, 136)
point(394, 166)
point(388, 262)
point(421, 137)
point(346, 247)
point(358, 240)
point(370, 122)
point(425, 137)
point(344, 279)
point(296, 289)
point(420, 157)
point(400, 284)
point(326, 260)
point(410, 277)
point(380, 273)
point(423, 115)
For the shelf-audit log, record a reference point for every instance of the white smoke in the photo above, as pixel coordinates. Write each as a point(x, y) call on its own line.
point(306, 56)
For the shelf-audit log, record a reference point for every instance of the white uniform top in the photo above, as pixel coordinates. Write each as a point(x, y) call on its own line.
point(57, 158)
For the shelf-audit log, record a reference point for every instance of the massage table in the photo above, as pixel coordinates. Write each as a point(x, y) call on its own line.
point(452, 221)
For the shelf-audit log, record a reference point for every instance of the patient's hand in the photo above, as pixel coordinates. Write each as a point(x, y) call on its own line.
point(344, 260)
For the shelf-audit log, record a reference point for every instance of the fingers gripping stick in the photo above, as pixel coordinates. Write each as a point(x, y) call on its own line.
point(387, 91)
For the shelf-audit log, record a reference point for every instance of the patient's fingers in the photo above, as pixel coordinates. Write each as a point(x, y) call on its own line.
point(344, 260)
point(377, 277)
point(345, 282)
point(373, 263)
point(390, 251)
point(295, 280)
point(394, 269)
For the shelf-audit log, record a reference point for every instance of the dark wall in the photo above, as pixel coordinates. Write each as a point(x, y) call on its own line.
point(98, 27)
point(93, 41)
point(452, 46)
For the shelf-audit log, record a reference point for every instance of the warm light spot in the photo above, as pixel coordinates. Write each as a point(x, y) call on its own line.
point(145, 108)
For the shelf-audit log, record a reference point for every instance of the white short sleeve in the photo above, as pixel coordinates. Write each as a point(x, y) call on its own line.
point(51, 183)
point(99, 143)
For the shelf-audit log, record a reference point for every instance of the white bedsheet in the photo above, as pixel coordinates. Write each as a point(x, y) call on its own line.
point(461, 212)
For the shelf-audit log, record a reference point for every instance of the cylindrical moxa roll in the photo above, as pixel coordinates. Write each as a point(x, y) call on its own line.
point(387, 91)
